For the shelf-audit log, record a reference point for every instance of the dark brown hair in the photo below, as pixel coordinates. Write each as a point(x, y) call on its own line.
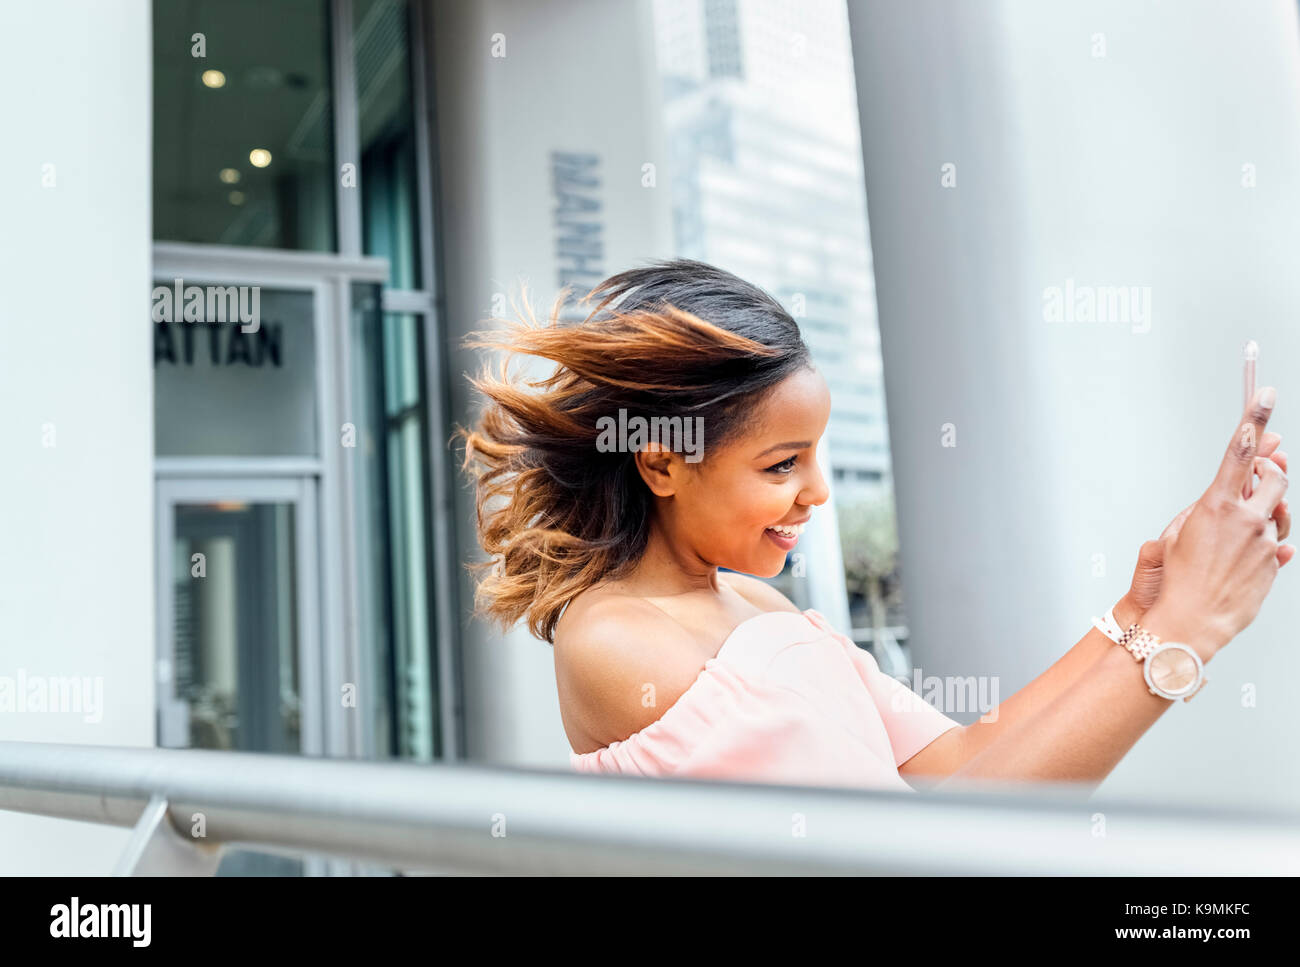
point(674, 338)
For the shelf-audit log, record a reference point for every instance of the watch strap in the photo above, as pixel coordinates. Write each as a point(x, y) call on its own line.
point(1139, 642)
point(1108, 626)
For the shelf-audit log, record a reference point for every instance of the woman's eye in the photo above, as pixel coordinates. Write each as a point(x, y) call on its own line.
point(785, 466)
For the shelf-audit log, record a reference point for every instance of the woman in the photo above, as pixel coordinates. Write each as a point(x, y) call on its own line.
point(612, 546)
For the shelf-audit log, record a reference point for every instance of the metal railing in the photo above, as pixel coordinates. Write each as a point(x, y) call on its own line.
point(466, 818)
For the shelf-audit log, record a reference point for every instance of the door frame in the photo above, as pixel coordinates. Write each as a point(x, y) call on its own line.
point(329, 278)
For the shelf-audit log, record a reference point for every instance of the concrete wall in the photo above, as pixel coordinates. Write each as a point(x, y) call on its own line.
point(1101, 142)
point(76, 390)
point(577, 76)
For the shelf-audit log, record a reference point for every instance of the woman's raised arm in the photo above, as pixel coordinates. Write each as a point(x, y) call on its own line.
point(1217, 572)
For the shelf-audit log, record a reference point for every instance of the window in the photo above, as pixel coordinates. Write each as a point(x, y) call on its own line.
point(243, 149)
point(385, 107)
point(762, 133)
point(284, 132)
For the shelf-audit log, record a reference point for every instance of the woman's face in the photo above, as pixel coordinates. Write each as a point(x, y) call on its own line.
point(723, 509)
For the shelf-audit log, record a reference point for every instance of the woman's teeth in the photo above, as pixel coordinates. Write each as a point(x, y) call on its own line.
point(793, 531)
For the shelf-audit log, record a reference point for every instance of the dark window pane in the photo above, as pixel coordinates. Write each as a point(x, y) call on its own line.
point(393, 525)
point(389, 197)
point(243, 141)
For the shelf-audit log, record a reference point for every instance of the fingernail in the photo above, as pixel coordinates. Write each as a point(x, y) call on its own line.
point(1267, 397)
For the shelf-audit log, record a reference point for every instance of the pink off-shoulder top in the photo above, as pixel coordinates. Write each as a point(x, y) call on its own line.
point(786, 700)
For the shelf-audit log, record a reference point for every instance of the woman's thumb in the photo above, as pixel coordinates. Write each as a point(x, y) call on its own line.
point(1151, 554)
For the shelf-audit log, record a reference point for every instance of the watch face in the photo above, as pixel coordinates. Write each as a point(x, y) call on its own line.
point(1173, 670)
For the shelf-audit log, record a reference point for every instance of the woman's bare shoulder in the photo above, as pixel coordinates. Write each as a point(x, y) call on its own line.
point(606, 612)
point(611, 651)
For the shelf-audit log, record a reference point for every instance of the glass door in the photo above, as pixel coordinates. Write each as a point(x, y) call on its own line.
point(239, 661)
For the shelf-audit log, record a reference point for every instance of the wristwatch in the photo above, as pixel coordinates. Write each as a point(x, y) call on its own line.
point(1172, 669)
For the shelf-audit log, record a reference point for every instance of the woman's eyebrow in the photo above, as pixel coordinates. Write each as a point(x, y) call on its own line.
point(797, 445)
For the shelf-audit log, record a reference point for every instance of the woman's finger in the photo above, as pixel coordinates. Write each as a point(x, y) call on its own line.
point(1268, 442)
point(1272, 485)
point(1277, 456)
point(1282, 514)
point(1285, 553)
point(1234, 471)
point(1174, 526)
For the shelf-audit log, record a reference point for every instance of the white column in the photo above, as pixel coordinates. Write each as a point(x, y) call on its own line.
point(577, 77)
point(76, 390)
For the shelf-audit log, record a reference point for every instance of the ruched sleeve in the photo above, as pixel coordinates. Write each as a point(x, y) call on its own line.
point(788, 701)
point(911, 722)
point(725, 726)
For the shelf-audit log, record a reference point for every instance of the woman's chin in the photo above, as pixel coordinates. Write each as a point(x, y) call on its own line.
point(759, 565)
point(765, 569)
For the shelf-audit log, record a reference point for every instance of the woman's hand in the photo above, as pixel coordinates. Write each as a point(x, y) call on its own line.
point(1147, 575)
point(1219, 565)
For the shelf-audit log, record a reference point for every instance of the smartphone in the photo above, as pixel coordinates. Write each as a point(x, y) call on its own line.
point(1250, 355)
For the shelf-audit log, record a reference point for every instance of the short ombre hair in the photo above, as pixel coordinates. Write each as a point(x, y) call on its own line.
point(555, 513)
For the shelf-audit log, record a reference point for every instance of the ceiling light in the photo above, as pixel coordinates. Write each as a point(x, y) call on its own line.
point(259, 157)
point(213, 79)
point(229, 175)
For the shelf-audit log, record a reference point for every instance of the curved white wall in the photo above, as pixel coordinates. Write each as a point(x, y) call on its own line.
point(499, 120)
point(1082, 439)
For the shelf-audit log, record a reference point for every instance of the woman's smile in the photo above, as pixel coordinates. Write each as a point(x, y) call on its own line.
point(785, 536)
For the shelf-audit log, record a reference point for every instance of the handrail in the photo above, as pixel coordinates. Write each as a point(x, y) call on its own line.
point(463, 817)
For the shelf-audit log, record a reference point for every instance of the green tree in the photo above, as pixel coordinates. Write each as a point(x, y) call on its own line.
point(869, 544)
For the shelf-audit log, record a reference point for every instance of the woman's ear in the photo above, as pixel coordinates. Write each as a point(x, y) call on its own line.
point(659, 468)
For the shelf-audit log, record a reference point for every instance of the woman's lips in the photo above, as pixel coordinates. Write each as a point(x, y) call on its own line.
point(786, 537)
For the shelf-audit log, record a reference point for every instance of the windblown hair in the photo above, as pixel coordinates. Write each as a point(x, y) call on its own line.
point(674, 338)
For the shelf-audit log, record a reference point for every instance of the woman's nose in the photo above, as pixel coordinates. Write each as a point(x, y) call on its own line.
point(816, 492)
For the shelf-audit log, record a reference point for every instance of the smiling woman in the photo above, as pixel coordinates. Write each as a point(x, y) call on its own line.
point(558, 510)
point(633, 559)
point(619, 558)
